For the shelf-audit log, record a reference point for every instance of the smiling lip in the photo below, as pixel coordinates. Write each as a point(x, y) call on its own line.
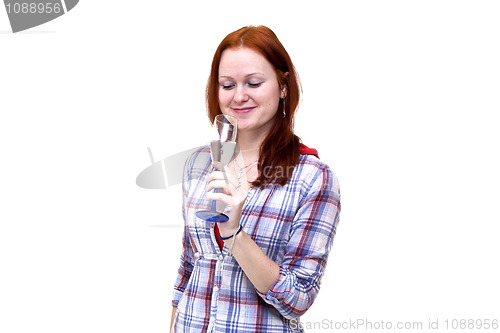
point(243, 110)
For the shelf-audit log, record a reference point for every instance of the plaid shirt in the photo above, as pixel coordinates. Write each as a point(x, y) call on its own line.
point(294, 225)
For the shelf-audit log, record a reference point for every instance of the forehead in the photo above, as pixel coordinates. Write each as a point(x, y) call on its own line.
point(243, 61)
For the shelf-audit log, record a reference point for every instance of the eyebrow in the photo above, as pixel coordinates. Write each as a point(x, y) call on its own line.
point(229, 77)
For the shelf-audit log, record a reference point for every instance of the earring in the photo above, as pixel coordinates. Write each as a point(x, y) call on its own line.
point(284, 105)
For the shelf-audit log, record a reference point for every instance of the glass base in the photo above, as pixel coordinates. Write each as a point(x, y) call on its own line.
point(212, 216)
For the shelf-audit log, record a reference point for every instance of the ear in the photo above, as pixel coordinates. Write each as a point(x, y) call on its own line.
point(284, 87)
point(284, 91)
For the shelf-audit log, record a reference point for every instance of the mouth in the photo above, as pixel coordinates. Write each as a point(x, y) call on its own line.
point(243, 110)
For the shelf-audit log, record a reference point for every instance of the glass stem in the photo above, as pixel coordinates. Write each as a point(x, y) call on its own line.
point(214, 203)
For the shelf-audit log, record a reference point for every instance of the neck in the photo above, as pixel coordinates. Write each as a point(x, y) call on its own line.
point(249, 143)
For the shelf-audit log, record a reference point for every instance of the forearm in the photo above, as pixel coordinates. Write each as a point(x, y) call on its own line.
point(258, 267)
point(173, 315)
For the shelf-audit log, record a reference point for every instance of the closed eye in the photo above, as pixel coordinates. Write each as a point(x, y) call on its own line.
point(254, 85)
point(227, 86)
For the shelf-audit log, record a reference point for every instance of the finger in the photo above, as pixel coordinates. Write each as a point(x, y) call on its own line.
point(226, 199)
point(215, 175)
point(228, 186)
point(231, 187)
point(218, 184)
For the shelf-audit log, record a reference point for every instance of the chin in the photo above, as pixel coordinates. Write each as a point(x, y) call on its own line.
point(245, 125)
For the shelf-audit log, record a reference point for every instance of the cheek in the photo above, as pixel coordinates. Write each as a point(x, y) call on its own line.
point(270, 99)
point(224, 98)
point(271, 95)
point(262, 97)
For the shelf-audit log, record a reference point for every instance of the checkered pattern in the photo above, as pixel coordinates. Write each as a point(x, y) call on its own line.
point(293, 224)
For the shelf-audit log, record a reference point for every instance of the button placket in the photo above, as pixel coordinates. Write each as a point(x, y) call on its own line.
point(216, 289)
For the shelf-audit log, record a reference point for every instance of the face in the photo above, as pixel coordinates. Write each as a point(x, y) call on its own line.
point(248, 89)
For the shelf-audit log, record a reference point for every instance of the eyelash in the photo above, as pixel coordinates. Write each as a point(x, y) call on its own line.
point(252, 85)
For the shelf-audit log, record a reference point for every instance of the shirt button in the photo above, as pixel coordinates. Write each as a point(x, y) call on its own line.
point(216, 289)
point(221, 257)
point(197, 255)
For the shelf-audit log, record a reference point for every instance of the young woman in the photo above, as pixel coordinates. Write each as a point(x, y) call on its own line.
point(261, 270)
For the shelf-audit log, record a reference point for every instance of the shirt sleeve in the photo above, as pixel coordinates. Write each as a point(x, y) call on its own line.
point(187, 255)
point(185, 269)
point(313, 229)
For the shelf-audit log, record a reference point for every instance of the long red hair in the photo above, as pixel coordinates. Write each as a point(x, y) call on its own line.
point(280, 150)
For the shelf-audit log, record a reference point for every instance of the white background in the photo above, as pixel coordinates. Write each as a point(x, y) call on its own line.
point(400, 98)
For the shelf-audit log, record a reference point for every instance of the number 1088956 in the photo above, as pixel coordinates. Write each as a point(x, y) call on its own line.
point(471, 324)
point(34, 8)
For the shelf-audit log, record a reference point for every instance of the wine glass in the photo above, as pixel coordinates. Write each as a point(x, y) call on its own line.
point(222, 148)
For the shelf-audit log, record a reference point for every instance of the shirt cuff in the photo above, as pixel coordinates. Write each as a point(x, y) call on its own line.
point(176, 296)
point(280, 290)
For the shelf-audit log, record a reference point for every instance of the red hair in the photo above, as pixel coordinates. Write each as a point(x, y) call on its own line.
point(280, 150)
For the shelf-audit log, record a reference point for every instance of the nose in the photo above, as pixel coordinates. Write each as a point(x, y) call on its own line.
point(240, 94)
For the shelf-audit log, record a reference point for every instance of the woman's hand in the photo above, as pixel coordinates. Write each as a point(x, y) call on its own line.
point(259, 268)
point(233, 197)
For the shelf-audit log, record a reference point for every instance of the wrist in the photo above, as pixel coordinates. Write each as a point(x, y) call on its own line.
point(228, 228)
point(229, 235)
